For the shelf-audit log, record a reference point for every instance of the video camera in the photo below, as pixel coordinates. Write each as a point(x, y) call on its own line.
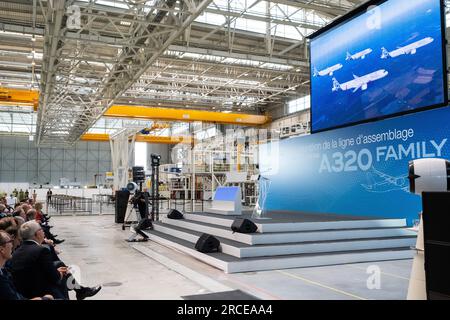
point(156, 159)
point(136, 194)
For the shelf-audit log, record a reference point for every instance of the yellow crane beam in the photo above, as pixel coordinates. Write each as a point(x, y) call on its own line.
point(158, 126)
point(171, 114)
point(19, 97)
point(140, 138)
point(95, 137)
point(31, 97)
point(164, 140)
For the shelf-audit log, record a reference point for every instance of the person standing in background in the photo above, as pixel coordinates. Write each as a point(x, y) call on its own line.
point(11, 201)
point(21, 195)
point(34, 196)
point(49, 196)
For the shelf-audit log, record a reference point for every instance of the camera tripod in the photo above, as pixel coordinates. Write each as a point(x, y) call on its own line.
point(137, 229)
point(145, 220)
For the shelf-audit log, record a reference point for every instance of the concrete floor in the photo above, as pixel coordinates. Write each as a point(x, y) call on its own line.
point(148, 270)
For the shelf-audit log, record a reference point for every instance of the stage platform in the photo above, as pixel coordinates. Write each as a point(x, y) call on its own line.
point(289, 240)
point(298, 221)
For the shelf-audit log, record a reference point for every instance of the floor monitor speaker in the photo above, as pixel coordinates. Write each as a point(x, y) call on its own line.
point(207, 244)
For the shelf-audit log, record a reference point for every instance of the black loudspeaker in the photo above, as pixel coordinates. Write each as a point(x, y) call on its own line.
point(242, 225)
point(436, 221)
point(138, 174)
point(175, 214)
point(207, 244)
point(121, 205)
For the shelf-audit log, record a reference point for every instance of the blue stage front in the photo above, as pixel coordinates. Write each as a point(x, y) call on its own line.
point(360, 170)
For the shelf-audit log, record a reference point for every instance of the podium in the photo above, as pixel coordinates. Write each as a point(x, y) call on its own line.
point(227, 201)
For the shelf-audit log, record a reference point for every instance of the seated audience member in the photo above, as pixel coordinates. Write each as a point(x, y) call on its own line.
point(19, 220)
point(18, 212)
point(3, 210)
point(26, 207)
point(39, 214)
point(13, 232)
point(7, 222)
point(31, 214)
point(7, 289)
point(36, 272)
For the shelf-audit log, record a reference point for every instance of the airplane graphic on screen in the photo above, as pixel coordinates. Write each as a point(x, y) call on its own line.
point(409, 49)
point(359, 82)
point(328, 71)
point(359, 55)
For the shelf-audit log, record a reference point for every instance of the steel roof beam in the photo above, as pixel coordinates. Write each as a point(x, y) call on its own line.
point(52, 37)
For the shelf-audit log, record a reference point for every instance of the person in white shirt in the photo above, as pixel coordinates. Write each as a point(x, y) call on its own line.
point(11, 201)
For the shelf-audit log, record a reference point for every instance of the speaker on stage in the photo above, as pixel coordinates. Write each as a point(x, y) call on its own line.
point(175, 214)
point(436, 234)
point(121, 205)
point(242, 225)
point(138, 174)
point(207, 244)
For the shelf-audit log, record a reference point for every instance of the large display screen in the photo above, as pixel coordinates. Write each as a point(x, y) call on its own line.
point(385, 58)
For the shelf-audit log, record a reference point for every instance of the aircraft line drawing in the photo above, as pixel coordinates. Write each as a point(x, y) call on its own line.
point(388, 183)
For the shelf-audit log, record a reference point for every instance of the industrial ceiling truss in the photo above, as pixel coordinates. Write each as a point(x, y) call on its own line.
point(83, 56)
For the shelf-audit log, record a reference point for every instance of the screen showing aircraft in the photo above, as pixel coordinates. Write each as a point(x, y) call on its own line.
point(382, 61)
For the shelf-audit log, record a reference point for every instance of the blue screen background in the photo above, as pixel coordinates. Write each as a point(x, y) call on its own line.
point(300, 180)
point(414, 80)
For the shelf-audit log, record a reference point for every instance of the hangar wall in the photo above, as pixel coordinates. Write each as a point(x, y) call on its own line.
point(22, 161)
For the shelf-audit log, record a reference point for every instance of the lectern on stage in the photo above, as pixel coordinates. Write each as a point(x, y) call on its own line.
point(227, 201)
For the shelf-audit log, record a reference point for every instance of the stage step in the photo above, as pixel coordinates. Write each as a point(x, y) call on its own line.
point(230, 264)
point(242, 250)
point(289, 237)
point(268, 226)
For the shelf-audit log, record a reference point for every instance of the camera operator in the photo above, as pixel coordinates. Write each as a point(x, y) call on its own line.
point(140, 200)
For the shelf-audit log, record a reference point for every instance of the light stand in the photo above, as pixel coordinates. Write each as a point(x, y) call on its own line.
point(155, 161)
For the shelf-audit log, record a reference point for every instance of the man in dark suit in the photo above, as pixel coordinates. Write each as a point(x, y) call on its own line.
point(8, 290)
point(35, 271)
